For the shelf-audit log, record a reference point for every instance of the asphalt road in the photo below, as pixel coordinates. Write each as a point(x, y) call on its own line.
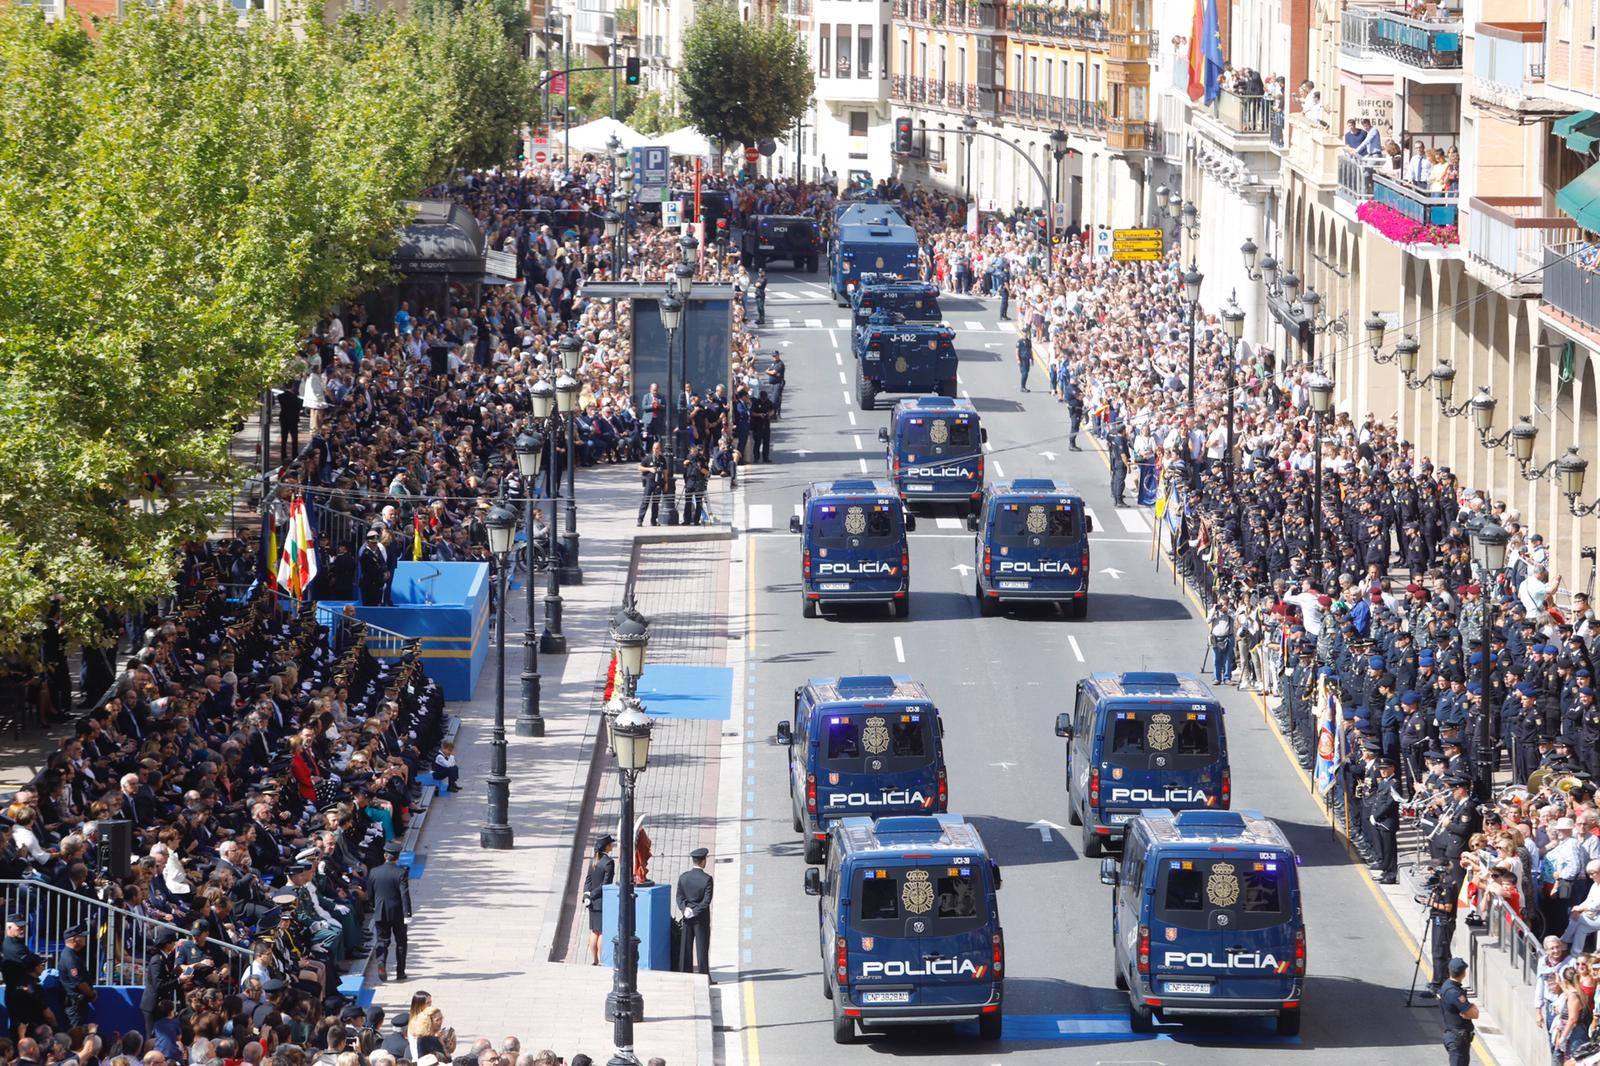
point(999, 682)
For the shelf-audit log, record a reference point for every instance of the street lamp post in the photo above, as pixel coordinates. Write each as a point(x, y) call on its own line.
point(551, 642)
point(1233, 322)
point(1191, 284)
point(630, 739)
point(1489, 547)
point(496, 831)
point(1321, 389)
point(671, 319)
point(679, 287)
point(530, 457)
point(566, 400)
point(630, 631)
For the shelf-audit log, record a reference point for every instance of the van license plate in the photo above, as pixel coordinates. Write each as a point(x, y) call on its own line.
point(1119, 818)
point(834, 586)
point(919, 488)
point(1186, 988)
point(1013, 584)
point(886, 997)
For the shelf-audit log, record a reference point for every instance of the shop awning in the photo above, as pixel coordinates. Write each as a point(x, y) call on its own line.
point(1581, 131)
point(1580, 199)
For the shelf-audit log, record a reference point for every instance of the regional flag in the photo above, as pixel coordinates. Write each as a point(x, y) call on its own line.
point(297, 565)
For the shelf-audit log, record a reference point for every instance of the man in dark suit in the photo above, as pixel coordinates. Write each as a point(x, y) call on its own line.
point(374, 572)
point(162, 978)
point(694, 904)
point(389, 887)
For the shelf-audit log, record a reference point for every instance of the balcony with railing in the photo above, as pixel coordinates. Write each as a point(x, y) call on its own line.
point(1571, 283)
point(1358, 31)
point(1075, 116)
point(1132, 46)
point(1087, 29)
point(1313, 151)
point(1423, 206)
point(1355, 177)
point(1428, 43)
point(955, 96)
point(955, 13)
point(1123, 135)
point(1507, 236)
point(1508, 68)
point(1246, 115)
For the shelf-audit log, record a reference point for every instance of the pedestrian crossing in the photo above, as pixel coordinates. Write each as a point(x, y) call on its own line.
point(758, 516)
point(777, 322)
point(1132, 520)
point(949, 523)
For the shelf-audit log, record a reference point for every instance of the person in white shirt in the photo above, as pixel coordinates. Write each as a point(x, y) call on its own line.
point(1533, 590)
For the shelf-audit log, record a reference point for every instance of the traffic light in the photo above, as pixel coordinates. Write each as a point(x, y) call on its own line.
point(902, 136)
point(632, 70)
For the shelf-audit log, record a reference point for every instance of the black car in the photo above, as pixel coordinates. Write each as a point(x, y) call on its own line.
point(769, 237)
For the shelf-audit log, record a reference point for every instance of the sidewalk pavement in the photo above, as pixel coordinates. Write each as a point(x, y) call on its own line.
point(503, 916)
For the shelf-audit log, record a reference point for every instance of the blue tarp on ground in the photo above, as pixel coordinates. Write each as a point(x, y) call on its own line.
point(694, 692)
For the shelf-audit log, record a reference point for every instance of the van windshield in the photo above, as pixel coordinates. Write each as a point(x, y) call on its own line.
point(1252, 893)
point(923, 434)
point(895, 739)
point(1036, 523)
point(945, 899)
point(1178, 738)
point(864, 524)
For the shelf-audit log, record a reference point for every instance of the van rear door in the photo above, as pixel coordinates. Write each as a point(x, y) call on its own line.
point(938, 454)
point(922, 931)
point(1161, 755)
point(857, 546)
point(877, 759)
point(1038, 545)
point(1224, 925)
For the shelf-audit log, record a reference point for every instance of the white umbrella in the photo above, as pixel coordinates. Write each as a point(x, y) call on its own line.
point(596, 136)
point(687, 141)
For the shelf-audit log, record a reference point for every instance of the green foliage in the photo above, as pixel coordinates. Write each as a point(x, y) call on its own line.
point(179, 197)
point(654, 114)
point(591, 94)
point(742, 81)
point(512, 16)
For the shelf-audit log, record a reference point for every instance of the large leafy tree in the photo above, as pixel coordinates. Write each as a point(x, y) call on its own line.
point(179, 197)
point(743, 82)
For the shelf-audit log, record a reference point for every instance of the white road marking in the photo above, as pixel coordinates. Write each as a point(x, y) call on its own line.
point(838, 360)
point(965, 395)
point(759, 516)
point(863, 463)
point(999, 471)
point(1076, 651)
point(780, 323)
point(1133, 520)
point(1008, 327)
point(844, 323)
point(833, 340)
point(969, 324)
point(988, 447)
point(947, 523)
point(899, 651)
point(858, 441)
point(842, 379)
point(846, 396)
point(852, 415)
point(1094, 519)
point(813, 323)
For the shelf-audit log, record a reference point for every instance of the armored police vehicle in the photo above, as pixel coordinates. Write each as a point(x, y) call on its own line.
point(935, 450)
point(1206, 919)
point(862, 746)
point(854, 547)
point(864, 207)
point(893, 355)
point(909, 926)
point(915, 301)
point(1032, 544)
point(791, 238)
point(871, 244)
point(1141, 741)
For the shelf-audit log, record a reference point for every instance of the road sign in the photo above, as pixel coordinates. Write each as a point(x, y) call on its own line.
point(669, 213)
point(1138, 234)
point(1102, 243)
point(1136, 257)
point(652, 164)
point(751, 154)
point(539, 151)
point(1140, 246)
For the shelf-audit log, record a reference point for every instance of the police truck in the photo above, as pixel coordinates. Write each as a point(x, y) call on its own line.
point(874, 243)
point(908, 923)
point(853, 545)
point(893, 355)
point(1206, 919)
point(915, 301)
point(1141, 741)
point(868, 745)
point(1032, 544)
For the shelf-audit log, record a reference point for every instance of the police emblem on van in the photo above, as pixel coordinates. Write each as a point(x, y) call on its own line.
point(1222, 886)
point(1160, 735)
point(916, 893)
point(875, 735)
point(939, 431)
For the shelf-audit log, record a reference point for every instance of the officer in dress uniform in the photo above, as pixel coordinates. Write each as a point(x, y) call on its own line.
point(390, 889)
point(77, 983)
point(694, 904)
point(374, 571)
point(1385, 813)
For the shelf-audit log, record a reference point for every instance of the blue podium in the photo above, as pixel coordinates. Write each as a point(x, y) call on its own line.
point(652, 924)
point(447, 606)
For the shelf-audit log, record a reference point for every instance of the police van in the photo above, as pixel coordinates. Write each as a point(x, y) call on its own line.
point(934, 449)
point(1032, 544)
point(909, 925)
point(1141, 741)
point(893, 355)
point(862, 746)
point(914, 301)
point(1206, 918)
point(854, 547)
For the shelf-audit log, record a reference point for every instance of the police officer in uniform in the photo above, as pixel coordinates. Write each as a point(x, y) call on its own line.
point(389, 887)
point(762, 412)
point(1024, 358)
point(1075, 419)
point(163, 980)
point(694, 904)
point(77, 984)
point(1459, 1014)
point(1120, 452)
point(374, 572)
point(1385, 808)
point(761, 297)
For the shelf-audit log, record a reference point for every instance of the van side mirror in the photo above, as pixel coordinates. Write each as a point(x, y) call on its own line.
point(911, 522)
point(813, 881)
point(941, 726)
point(785, 733)
point(1064, 725)
point(1108, 872)
point(883, 434)
point(994, 872)
point(794, 523)
point(983, 435)
point(1088, 523)
point(972, 523)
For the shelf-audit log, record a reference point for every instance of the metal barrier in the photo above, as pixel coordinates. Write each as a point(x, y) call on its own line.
point(1513, 937)
point(345, 630)
point(119, 940)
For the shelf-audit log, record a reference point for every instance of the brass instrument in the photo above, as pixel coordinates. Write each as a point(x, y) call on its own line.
point(1548, 779)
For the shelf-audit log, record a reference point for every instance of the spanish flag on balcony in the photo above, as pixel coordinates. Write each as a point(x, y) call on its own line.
point(1197, 55)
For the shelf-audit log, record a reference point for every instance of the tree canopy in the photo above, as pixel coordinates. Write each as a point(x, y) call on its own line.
point(180, 196)
point(743, 82)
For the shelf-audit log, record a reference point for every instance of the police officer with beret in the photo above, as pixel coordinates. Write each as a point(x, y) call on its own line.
point(77, 987)
point(694, 904)
point(1459, 1014)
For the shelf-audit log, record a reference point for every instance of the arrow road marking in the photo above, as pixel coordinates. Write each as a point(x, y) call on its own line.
point(1044, 829)
point(963, 568)
point(1116, 575)
point(801, 452)
point(1049, 456)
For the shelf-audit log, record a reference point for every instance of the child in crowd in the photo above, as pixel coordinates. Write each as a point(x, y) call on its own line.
point(445, 768)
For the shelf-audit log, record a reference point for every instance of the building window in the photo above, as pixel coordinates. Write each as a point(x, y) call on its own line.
point(841, 56)
point(883, 66)
point(824, 49)
point(864, 52)
point(905, 57)
point(1049, 88)
point(858, 123)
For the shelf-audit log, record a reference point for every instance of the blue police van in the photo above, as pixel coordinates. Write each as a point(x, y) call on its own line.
point(862, 746)
point(893, 355)
point(914, 301)
point(1206, 919)
point(871, 243)
point(1141, 741)
point(854, 547)
point(934, 447)
point(909, 925)
point(1032, 544)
